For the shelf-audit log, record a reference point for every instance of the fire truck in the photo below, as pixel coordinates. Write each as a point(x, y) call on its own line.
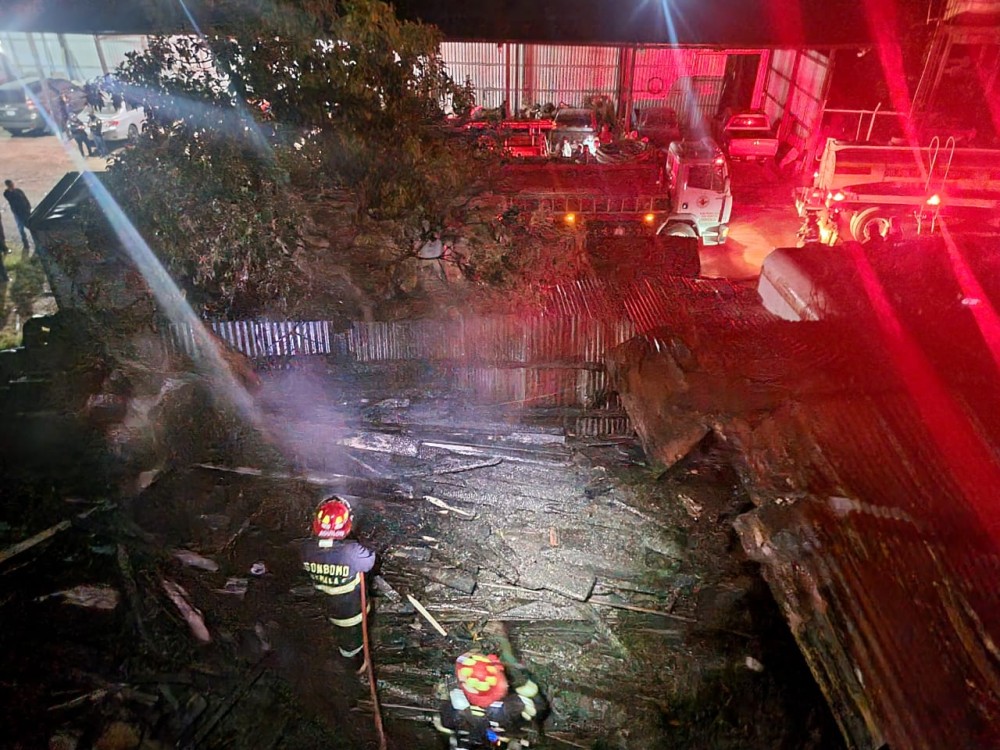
point(516, 138)
point(683, 191)
point(863, 192)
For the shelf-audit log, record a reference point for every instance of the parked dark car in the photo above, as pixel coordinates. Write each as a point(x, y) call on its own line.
point(658, 125)
point(22, 101)
point(574, 129)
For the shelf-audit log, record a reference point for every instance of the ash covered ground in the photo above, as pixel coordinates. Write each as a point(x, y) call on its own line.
point(622, 589)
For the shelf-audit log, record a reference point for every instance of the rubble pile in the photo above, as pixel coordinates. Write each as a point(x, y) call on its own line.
point(182, 617)
point(867, 443)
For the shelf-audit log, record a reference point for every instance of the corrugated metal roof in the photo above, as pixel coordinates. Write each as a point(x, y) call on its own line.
point(876, 478)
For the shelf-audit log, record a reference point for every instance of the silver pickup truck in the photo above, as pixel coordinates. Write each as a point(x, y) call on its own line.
point(748, 136)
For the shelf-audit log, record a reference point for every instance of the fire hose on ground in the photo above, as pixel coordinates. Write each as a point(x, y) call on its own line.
point(377, 711)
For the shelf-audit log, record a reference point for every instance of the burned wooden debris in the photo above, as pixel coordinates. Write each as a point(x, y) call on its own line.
point(478, 517)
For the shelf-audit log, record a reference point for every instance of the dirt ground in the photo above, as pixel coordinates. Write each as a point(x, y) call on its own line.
point(763, 218)
point(36, 164)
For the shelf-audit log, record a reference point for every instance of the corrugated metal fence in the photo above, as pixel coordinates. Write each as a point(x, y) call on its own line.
point(260, 340)
point(552, 356)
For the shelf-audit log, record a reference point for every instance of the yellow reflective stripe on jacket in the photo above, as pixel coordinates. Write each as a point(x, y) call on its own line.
point(529, 708)
point(527, 690)
point(344, 588)
point(441, 727)
point(349, 622)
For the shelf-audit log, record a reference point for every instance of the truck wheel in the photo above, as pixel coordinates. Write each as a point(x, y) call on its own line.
point(677, 229)
point(133, 132)
point(865, 223)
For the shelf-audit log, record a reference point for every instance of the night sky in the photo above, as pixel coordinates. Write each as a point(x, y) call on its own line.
point(791, 23)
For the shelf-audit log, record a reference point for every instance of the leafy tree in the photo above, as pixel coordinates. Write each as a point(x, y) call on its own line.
point(217, 213)
point(253, 123)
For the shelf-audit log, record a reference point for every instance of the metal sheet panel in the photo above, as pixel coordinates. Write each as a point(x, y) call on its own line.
point(75, 56)
point(51, 53)
point(690, 81)
point(779, 83)
point(115, 48)
point(567, 74)
point(482, 63)
point(794, 94)
point(19, 55)
point(84, 62)
point(805, 105)
point(979, 7)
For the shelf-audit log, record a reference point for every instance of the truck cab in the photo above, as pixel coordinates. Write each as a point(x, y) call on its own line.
point(697, 180)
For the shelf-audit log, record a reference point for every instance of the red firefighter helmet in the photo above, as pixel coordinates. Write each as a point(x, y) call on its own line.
point(332, 519)
point(481, 678)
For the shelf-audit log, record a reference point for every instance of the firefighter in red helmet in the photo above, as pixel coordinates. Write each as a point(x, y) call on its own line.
point(485, 710)
point(335, 564)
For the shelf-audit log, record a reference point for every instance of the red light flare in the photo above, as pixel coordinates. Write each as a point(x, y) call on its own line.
point(786, 18)
point(970, 463)
point(988, 84)
point(883, 25)
point(881, 16)
point(983, 312)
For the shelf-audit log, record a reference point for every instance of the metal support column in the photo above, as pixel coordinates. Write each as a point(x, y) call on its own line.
point(72, 69)
point(631, 87)
point(815, 142)
point(34, 54)
point(760, 83)
point(507, 103)
point(100, 54)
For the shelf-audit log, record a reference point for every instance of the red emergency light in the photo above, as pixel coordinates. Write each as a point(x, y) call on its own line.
point(570, 218)
point(649, 218)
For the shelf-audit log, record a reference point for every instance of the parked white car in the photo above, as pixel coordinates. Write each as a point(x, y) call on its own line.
point(122, 124)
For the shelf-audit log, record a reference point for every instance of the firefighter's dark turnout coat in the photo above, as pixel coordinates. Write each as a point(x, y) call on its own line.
point(336, 570)
point(470, 727)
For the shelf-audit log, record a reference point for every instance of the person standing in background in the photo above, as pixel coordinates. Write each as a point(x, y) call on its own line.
point(62, 114)
point(97, 135)
point(79, 132)
point(21, 208)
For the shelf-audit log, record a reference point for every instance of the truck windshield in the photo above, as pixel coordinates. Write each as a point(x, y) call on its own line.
point(573, 120)
point(707, 177)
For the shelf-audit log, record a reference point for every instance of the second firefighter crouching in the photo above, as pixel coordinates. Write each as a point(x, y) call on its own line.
point(335, 565)
point(487, 711)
